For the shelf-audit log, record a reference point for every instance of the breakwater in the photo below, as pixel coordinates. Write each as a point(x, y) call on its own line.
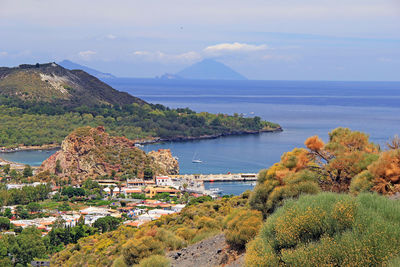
point(228, 177)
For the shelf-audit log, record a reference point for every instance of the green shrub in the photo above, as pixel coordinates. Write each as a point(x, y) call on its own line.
point(135, 250)
point(241, 227)
point(271, 194)
point(155, 261)
point(329, 230)
point(260, 253)
point(169, 239)
point(361, 182)
point(119, 262)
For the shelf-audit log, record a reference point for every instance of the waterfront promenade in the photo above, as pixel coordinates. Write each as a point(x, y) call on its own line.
point(227, 177)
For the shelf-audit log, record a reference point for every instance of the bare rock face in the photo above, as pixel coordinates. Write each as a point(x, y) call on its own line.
point(165, 161)
point(91, 152)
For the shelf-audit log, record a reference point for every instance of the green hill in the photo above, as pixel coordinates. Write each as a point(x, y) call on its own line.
point(41, 104)
point(52, 83)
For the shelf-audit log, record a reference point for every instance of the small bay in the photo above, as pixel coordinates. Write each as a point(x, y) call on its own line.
point(302, 108)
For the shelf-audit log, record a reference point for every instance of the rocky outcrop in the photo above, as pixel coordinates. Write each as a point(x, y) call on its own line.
point(165, 161)
point(91, 152)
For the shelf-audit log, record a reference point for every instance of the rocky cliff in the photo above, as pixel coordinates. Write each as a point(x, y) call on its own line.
point(91, 152)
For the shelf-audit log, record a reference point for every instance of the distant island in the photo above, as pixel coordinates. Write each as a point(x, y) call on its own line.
point(75, 66)
point(41, 104)
point(209, 69)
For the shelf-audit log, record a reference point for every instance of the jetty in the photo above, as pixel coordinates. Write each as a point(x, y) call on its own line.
point(227, 177)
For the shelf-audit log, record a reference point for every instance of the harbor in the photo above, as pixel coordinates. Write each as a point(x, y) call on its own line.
point(228, 177)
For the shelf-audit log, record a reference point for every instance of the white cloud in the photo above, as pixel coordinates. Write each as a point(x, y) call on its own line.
point(233, 48)
point(3, 53)
point(86, 55)
point(111, 37)
point(141, 53)
point(187, 57)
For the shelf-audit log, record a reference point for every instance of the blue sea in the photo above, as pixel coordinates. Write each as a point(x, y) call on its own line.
point(302, 108)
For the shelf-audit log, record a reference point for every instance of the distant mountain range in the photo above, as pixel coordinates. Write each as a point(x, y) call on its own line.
point(209, 69)
point(75, 66)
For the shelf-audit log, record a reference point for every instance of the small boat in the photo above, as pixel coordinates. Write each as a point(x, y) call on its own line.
point(194, 160)
point(215, 190)
point(138, 145)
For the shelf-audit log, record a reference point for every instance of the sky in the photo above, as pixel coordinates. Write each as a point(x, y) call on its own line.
point(355, 40)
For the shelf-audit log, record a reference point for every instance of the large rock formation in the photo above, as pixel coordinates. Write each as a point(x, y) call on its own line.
point(91, 152)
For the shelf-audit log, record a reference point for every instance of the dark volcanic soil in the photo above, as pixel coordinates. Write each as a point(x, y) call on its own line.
point(210, 252)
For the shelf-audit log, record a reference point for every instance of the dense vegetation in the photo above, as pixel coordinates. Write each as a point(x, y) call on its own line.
point(128, 246)
point(25, 195)
point(352, 225)
point(38, 123)
point(329, 230)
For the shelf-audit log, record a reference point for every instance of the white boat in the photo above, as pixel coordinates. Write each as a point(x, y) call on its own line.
point(139, 145)
point(215, 190)
point(194, 160)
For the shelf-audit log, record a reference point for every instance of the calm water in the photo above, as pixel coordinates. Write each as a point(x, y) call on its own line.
point(230, 188)
point(33, 157)
point(302, 108)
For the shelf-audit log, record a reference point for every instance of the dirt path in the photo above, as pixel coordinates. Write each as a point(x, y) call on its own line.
point(210, 252)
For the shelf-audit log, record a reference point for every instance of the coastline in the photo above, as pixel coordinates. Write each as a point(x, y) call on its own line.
point(203, 137)
point(14, 165)
point(147, 141)
point(29, 148)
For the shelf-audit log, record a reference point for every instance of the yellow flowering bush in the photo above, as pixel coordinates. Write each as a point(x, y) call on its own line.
point(329, 229)
point(241, 227)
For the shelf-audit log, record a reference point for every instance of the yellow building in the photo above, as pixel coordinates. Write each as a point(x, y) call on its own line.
point(153, 191)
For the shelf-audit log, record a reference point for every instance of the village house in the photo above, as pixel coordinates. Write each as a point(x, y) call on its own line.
point(153, 191)
point(164, 181)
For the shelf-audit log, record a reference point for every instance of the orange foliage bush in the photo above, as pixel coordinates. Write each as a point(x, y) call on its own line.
point(347, 154)
point(386, 172)
point(314, 143)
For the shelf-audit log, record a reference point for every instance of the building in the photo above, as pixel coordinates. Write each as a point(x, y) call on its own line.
point(135, 183)
point(164, 181)
point(128, 190)
point(115, 191)
point(153, 191)
point(107, 182)
point(91, 214)
point(19, 186)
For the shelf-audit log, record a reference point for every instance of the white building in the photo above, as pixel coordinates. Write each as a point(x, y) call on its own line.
point(164, 181)
point(19, 186)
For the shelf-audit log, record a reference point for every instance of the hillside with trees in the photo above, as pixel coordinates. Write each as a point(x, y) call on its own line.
point(41, 104)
